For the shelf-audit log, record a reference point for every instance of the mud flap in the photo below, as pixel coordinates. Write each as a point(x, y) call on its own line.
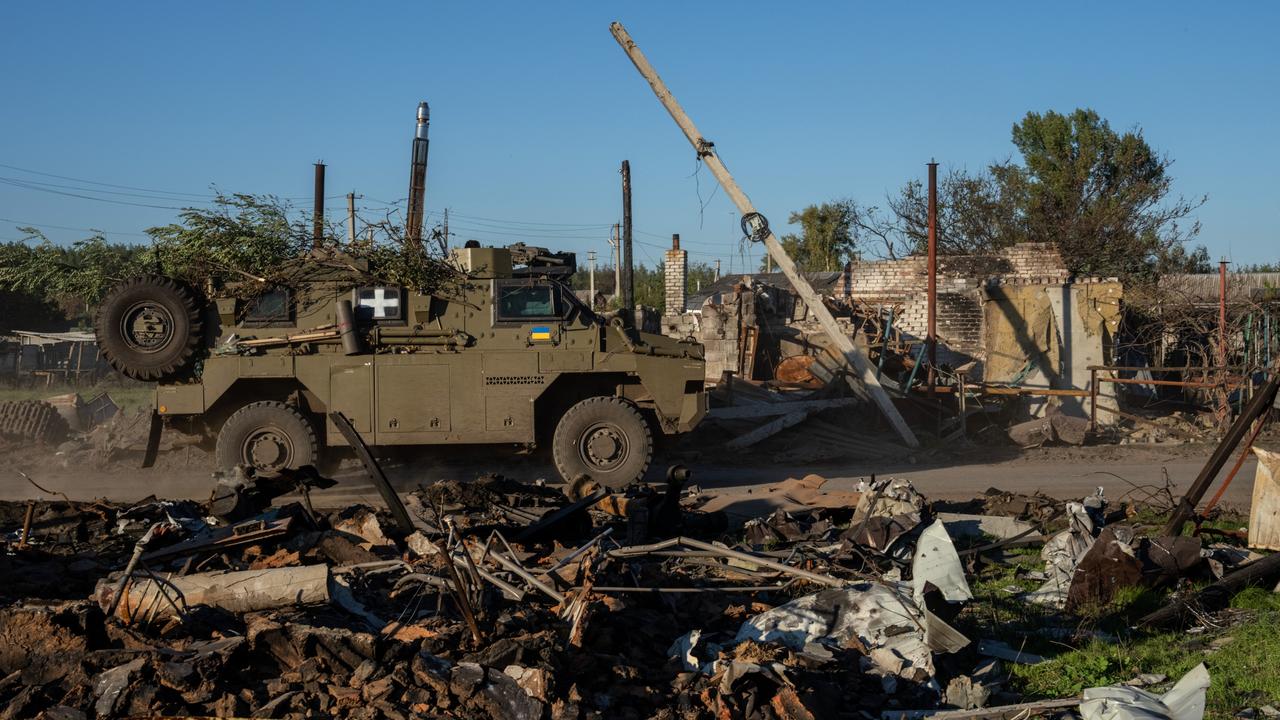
point(153, 440)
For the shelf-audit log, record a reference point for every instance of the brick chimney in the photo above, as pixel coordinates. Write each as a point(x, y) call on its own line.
point(677, 270)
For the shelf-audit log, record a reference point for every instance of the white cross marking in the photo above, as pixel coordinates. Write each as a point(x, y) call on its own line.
point(381, 302)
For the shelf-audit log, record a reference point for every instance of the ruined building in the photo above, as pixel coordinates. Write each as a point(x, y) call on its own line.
point(1017, 317)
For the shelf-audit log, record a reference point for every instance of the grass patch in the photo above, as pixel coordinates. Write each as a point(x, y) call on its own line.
point(1240, 659)
point(130, 398)
point(1239, 655)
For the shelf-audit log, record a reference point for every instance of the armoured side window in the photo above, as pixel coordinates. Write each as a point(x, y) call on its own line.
point(523, 300)
point(273, 308)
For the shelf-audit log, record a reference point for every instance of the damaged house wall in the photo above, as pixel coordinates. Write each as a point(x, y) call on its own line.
point(1049, 335)
point(1019, 316)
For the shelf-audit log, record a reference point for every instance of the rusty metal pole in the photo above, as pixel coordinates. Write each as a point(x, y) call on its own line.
point(1222, 313)
point(1093, 399)
point(26, 524)
point(628, 270)
point(1224, 410)
point(317, 218)
point(932, 337)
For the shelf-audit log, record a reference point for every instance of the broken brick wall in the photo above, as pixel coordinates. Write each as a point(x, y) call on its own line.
point(962, 280)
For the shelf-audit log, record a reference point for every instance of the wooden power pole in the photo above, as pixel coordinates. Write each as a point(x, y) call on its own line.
point(615, 245)
point(759, 229)
point(351, 217)
point(591, 279)
point(628, 269)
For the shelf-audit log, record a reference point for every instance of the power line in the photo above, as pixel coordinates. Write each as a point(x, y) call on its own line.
point(545, 232)
point(95, 182)
point(531, 236)
point(88, 197)
point(176, 195)
point(691, 252)
point(25, 182)
point(687, 241)
point(20, 223)
point(530, 222)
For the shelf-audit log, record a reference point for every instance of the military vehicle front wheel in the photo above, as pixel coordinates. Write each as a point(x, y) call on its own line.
point(270, 436)
point(606, 438)
point(149, 327)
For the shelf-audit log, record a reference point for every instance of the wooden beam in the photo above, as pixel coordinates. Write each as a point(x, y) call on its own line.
point(999, 712)
point(782, 408)
point(708, 155)
point(769, 429)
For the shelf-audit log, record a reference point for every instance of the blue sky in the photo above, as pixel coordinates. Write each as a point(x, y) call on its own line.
point(534, 106)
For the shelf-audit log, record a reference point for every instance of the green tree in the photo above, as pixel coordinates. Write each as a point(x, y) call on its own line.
point(245, 235)
point(700, 275)
point(239, 237)
point(1105, 197)
point(73, 278)
point(977, 213)
point(650, 286)
point(826, 239)
point(1254, 267)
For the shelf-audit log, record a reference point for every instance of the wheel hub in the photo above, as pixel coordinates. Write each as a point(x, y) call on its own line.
point(146, 327)
point(604, 447)
point(268, 449)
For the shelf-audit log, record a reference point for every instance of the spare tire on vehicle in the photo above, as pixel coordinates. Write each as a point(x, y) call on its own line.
point(33, 420)
point(150, 327)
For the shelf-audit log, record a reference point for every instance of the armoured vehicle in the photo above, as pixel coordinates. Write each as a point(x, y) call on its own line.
point(506, 355)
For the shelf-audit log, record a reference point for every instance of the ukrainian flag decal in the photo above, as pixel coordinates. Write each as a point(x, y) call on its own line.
point(540, 332)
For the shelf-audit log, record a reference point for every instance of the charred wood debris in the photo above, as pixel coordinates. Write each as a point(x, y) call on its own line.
point(497, 598)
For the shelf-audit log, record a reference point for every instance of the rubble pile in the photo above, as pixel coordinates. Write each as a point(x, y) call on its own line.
point(508, 600)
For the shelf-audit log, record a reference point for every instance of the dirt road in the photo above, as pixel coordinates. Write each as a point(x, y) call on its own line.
point(740, 489)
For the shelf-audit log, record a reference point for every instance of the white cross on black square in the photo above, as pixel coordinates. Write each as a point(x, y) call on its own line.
point(383, 303)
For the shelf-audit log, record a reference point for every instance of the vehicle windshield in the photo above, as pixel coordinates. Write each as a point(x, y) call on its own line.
point(526, 301)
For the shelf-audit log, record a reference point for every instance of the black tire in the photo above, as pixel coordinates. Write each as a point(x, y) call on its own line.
point(34, 420)
point(268, 436)
point(605, 438)
point(150, 327)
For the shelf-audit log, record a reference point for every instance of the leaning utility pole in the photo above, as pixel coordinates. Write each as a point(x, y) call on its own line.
point(628, 270)
point(758, 228)
point(317, 214)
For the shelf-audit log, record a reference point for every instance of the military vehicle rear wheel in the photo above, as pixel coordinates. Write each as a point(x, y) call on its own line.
point(269, 436)
point(149, 327)
point(604, 437)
